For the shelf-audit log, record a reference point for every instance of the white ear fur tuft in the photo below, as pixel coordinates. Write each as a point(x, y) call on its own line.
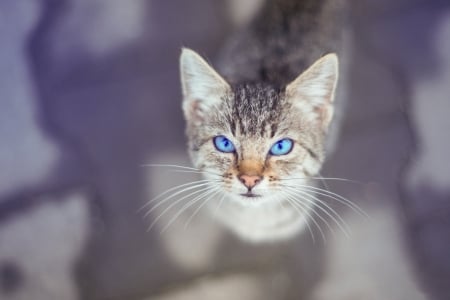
point(202, 86)
point(313, 90)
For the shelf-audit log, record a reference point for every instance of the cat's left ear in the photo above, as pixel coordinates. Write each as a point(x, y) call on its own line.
point(203, 88)
point(313, 91)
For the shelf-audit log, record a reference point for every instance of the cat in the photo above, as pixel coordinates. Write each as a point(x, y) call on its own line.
point(257, 130)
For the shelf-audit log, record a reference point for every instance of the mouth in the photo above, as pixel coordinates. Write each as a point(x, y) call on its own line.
point(250, 195)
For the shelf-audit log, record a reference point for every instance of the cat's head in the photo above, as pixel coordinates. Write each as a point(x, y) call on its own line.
point(252, 139)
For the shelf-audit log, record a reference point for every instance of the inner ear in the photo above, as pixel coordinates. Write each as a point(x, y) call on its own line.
point(194, 111)
point(312, 92)
point(203, 88)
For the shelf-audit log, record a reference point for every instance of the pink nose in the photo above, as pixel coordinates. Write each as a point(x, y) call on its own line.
point(250, 180)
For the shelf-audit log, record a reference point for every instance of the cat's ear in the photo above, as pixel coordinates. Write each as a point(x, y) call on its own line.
point(202, 86)
point(313, 91)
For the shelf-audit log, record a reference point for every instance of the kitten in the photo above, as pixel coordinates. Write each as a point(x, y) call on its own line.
point(257, 133)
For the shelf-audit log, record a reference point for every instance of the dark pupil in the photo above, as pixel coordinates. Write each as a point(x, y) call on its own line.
point(225, 143)
point(280, 146)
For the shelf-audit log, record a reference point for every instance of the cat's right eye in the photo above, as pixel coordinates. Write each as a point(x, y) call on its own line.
point(223, 144)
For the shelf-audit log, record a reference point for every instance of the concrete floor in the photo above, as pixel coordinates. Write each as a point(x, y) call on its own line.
point(107, 100)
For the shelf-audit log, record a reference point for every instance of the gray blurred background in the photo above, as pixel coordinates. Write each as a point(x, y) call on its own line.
point(89, 92)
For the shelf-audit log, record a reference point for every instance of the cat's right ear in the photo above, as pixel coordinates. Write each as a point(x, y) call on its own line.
point(202, 87)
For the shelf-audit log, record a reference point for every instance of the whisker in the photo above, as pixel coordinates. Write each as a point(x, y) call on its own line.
point(185, 189)
point(294, 197)
point(323, 178)
point(174, 203)
point(336, 197)
point(194, 172)
point(200, 206)
point(191, 202)
point(306, 219)
point(180, 167)
point(323, 181)
point(169, 166)
point(172, 189)
point(344, 227)
point(185, 206)
point(218, 206)
point(298, 205)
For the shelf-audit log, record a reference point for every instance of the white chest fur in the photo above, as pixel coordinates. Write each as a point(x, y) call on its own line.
point(259, 222)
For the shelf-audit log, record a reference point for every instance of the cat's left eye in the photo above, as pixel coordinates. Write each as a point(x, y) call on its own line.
point(282, 147)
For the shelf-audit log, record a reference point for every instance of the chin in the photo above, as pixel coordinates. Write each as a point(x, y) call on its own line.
point(250, 199)
point(260, 219)
point(258, 236)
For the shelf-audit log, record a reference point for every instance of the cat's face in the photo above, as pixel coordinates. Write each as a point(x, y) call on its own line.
point(251, 139)
point(257, 146)
point(252, 150)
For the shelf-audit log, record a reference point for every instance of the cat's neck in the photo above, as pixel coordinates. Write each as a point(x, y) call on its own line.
point(275, 219)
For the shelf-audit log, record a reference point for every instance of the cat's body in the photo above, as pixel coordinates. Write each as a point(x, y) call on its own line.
point(285, 38)
point(258, 135)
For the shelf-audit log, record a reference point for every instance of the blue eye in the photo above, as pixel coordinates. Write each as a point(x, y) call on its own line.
point(223, 144)
point(282, 147)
